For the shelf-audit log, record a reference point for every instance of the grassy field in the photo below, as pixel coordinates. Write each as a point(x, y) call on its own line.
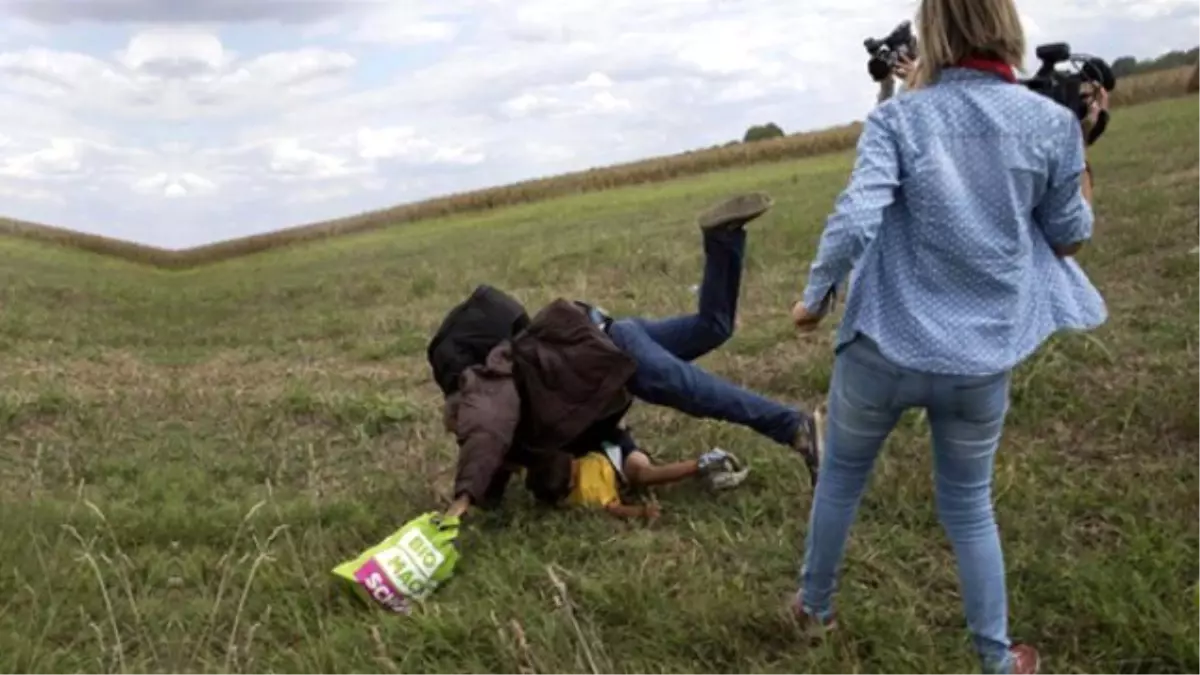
point(188, 454)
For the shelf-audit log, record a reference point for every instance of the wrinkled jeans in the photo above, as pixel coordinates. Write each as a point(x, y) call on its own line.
point(665, 348)
point(966, 417)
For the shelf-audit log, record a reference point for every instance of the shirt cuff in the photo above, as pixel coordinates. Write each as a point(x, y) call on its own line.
point(814, 296)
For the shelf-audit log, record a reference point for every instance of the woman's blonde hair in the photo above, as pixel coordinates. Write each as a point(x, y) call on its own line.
point(951, 30)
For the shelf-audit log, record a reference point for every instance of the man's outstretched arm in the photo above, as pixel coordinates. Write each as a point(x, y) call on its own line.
point(485, 421)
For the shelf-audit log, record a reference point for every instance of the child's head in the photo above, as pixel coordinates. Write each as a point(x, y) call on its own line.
point(550, 476)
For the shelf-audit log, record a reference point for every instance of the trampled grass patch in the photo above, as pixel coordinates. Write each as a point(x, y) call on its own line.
point(186, 456)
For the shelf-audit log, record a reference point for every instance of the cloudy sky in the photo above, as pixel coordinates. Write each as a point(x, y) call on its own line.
point(181, 122)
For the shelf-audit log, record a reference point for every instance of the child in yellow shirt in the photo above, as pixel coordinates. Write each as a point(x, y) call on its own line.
point(595, 479)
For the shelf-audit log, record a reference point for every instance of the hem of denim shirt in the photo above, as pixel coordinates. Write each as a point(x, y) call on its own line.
point(931, 366)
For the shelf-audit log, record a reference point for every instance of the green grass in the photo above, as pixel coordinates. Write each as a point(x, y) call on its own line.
point(187, 455)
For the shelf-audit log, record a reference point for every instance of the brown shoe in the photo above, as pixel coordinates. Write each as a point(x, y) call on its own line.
point(735, 212)
point(810, 627)
point(1025, 660)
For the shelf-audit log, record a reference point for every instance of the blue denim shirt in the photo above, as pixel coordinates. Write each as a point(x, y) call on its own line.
point(958, 193)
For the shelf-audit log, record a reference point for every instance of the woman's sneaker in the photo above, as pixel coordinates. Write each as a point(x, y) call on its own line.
point(810, 627)
point(1025, 659)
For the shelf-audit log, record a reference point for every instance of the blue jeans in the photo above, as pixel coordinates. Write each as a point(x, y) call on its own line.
point(966, 415)
point(665, 348)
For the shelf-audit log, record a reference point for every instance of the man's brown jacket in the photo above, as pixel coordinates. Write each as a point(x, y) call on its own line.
point(548, 385)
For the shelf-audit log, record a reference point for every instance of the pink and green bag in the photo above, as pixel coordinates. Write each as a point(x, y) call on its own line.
point(407, 566)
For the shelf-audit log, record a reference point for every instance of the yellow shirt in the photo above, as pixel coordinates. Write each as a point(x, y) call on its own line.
point(595, 481)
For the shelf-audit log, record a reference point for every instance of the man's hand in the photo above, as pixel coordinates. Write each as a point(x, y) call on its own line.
point(441, 529)
point(447, 530)
point(458, 508)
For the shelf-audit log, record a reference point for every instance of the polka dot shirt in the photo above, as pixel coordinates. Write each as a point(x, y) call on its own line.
point(958, 194)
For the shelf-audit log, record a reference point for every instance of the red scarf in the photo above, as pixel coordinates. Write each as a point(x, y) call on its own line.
point(989, 66)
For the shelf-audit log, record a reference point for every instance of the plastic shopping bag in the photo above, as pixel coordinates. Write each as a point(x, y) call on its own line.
point(408, 565)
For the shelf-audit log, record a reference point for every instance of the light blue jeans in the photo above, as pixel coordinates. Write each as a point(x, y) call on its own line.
point(966, 415)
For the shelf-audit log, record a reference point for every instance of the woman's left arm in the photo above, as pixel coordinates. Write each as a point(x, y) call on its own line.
point(859, 208)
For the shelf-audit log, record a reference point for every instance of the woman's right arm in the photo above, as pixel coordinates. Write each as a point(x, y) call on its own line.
point(858, 211)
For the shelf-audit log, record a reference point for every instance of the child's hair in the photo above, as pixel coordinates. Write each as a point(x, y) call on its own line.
point(548, 476)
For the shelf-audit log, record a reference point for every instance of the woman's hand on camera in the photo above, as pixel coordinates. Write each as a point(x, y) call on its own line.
point(1098, 102)
point(904, 67)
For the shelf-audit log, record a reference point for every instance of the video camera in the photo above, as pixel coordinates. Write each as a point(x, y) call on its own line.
point(885, 52)
point(1066, 88)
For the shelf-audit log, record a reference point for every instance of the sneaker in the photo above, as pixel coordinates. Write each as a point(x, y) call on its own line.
point(712, 460)
point(721, 469)
point(810, 442)
point(810, 627)
point(1025, 659)
point(735, 212)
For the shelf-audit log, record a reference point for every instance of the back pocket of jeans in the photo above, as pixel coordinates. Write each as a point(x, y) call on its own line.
point(866, 383)
point(984, 400)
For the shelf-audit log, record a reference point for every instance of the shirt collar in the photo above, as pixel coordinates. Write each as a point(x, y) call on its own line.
point(960, 74)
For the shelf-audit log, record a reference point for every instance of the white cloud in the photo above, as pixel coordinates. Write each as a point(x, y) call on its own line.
point(548, 153)
point(58, 12)
point(289, 160)
point(197, 183)
point(174, 186)
point(151, 184)
point(173, 74)
point(399, 27)
point(61, 157)
point(404, 143)
point(597, 80)
point(225, 118)
point(170, 47)
point(592, 95)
